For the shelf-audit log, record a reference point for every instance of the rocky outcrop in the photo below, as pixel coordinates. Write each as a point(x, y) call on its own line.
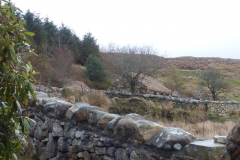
point(146, 85)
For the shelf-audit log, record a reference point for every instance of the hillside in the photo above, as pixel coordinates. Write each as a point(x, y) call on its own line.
point(191, 67)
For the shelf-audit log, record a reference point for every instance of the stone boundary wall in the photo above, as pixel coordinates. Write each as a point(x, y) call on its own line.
point(61, 130)
point(216, 107)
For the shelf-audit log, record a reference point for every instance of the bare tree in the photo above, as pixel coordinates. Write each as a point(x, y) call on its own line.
point(175, 79)
point(133, 63)
point(212, 79)
point(62, 62)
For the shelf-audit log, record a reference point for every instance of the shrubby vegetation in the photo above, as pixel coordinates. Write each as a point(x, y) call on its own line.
point(95, 69)
point(212, 79)
point(58, 49)
point(16, 81)
point(134, 63)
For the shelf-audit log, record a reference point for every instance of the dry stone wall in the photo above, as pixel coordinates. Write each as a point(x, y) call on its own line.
point(61, 130)
point(216, 107)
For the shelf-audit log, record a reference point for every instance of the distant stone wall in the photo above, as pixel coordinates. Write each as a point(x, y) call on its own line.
point(216, 107)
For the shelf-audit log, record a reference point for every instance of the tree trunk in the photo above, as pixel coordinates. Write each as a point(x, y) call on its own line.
point(214, 96)
point(133, 87)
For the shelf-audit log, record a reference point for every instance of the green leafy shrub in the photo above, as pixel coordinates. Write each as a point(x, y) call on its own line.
point(16, 80)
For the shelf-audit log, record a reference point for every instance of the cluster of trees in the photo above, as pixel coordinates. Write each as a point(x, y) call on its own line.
point(48, 37)
point(58, 48)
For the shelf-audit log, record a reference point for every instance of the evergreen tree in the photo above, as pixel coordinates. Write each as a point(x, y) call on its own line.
point(95, 69)
point(88, 47)
point(34, 24)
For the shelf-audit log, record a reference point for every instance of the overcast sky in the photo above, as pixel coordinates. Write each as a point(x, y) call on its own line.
point(199, 28)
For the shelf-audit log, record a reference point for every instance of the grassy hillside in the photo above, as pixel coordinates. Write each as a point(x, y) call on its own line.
point(188, 67)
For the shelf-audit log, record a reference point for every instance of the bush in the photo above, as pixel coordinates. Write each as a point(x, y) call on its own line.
point(16, 81)
point(95, 69)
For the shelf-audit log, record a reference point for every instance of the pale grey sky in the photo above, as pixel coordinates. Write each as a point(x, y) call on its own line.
point(199, 28)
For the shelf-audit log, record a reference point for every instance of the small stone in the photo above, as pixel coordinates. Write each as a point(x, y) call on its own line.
point(80, 155)
point(220, 139)
point(79, 133)
point(177, 146)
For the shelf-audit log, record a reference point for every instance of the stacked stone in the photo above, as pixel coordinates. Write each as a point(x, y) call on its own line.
point(61, 130)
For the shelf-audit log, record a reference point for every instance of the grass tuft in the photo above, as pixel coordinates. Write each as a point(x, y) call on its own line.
point(97, 98)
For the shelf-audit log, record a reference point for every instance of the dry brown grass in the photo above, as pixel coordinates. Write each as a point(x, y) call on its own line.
point(97, 98)
point(205, 129)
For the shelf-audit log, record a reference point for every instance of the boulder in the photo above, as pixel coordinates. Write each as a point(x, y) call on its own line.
point(78, 134)
point(100, 150)
point(67, 127)
point(171, 139)
point(133, 116)
point(107, 158)
point(89, 144)
point(72, 110)
point(61, 107)
point(63, 144)
point(49, 106)
point(41, 95)
point(38, 133)
point(86, 155)
point(233, 141)
point(57, 130)
point(42, 99)
point(82, 113)
point(94, 116)
point(134, 156)
point(105, 119)
point(29, 150)
point(110, 151)
point(145, 130)
point(220, 139)
point(76, 145)
point(122, 154)
point(207, 150)
point(31, 122)
point(51, 148)
point(111, 124)
point(125, 126)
